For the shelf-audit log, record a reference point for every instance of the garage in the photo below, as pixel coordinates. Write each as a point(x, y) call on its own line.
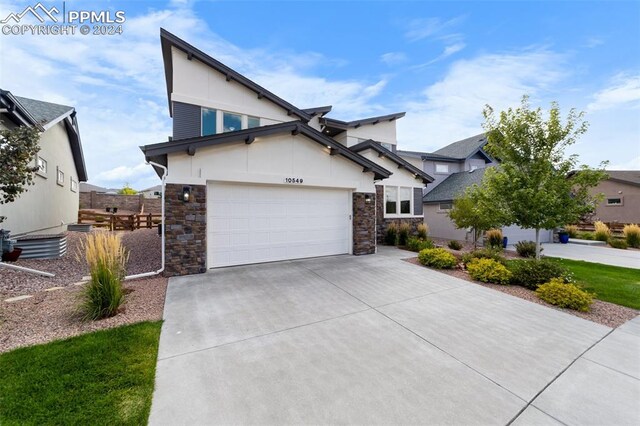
point(252, 223)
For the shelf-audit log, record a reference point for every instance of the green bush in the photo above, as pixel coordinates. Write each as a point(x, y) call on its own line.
point(532, 273)
point(437, 258)
point(619, 244)
point(585, 235)
point(494, 238)
point(632, 235)
point(403, 233)
point(418, 244)
point(423, 230)
point(454, 245)
point(485, 253)
point(526, 248)
point(488, 271)
point(391, 236)
point(564, 295)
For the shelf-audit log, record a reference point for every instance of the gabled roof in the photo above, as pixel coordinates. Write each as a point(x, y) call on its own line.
point(631, 177)
point(344, 125)
point(321, 111)
point(153, 188)
point(426, 156)
point(384, 152)
point(453, 186)
point(168, 40)
point(158, 152)
point(464, 148)
point(44, 115)
point(87, 187)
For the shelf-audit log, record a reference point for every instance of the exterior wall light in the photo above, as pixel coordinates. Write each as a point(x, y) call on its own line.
point(186, 194)
point(367, 198)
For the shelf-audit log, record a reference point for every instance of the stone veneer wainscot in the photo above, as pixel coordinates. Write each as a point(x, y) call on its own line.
point(364, 221)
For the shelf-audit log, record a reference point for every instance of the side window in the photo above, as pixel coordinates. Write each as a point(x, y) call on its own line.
point(209, 121)
point(59, 177)
point(253, 122)
point(390, 200)
point(231, 122)
point(41, 163)
point(405, 200)
point(442, 168)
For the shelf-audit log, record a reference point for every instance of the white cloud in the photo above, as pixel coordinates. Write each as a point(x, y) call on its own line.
point(623, 90)
point(419, 29)
point(633, 164)
point(393, 58)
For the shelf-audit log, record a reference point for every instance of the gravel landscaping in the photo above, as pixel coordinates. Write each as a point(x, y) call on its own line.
point(52, 314)
point(605, 313)
point(143, 245)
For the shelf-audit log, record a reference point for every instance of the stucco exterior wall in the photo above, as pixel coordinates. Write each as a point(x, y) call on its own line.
point(199, 84)
point(269, 160)
point(440, 226)
point(430, 168)
point(46, 207)
point(628, 212)
point(385, 131)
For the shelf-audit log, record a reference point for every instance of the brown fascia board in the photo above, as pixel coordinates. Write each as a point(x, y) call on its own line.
point(159, 151)
point(401, 162)
point(344, 125)
point(167, 40)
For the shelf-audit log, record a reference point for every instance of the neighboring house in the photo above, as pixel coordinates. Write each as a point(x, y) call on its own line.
point(153, 192)
point(253, 178)
point(621, 201)
point(456, 167)
point(52, 202)
point(87, 187)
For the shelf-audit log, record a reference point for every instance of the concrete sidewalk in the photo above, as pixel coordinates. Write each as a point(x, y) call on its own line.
point(375, 340)
point(595, 254)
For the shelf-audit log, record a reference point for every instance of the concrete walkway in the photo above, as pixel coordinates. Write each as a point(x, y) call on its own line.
point(376, 340)
point(596, 254)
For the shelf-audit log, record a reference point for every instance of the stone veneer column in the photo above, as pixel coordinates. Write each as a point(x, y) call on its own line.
point(364, 223)
point(185, 231)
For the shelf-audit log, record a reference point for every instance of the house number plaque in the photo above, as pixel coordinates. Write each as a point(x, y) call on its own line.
point(293, 180)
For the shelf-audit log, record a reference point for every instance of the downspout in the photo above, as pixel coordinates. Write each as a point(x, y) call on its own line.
point(159, 271)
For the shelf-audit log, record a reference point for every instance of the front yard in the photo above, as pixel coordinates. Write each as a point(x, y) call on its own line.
point(106, 377)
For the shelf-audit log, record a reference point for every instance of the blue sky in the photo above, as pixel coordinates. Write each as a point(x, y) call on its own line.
point(441, 62)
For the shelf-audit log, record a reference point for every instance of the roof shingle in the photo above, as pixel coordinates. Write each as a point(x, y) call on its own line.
point(454, 186)
point(43, 112)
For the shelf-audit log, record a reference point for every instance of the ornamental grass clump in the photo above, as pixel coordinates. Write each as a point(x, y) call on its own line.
point(564, 295)
point(391, 235)
point(632, 235)
point(107, 259)
point(423, 230)
point(494, 238)
point(602, 231)
point(572, 230)
point(454, 245)
point(403, 233)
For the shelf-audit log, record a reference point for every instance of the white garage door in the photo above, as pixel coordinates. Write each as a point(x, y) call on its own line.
point(515, 234)
point(253, 223)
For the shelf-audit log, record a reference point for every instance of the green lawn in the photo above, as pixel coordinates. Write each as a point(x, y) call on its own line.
point(101, 378)
point(610, 283)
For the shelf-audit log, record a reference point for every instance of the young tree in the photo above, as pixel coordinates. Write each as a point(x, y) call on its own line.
point(18, 148)
point(476, 209)
point(127, 190)
point(532, 180)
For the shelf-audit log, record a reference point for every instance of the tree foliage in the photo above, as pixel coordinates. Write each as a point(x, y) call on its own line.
point(531, 184)
point(18, 148)
point(127, 190)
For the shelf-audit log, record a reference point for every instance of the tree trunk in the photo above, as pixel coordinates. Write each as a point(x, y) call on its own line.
point(537, 243)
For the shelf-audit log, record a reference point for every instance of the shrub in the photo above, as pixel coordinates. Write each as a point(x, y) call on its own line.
point(106, 258)
point(486, 253)
point(391, 235)
point(602, 231)
point(564, 295)
point(437, 258)
point(632, 235)
point(494, 238)
point(619, 244)
point(403, 233)
point(526, 248)
point(99, 219)
point(454, 245)
point(532, 273)
point(423, 230)
point(488, 271)
point(418, 244)
point(585, 235)
point(572, 230)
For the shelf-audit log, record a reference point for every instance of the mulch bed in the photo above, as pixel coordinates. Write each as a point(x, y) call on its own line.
point(605, 313)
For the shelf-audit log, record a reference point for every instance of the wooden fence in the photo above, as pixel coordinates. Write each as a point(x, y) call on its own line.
point(119, 222)
point(615, 227)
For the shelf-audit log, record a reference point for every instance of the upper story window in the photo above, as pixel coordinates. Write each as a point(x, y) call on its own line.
point(387, 146)
point(41, 163)
point(231, 122)
point(74, 185)
point(442, 168)
point(209, 121)
point(60, 177)
point(253, 122)
point(397, 200)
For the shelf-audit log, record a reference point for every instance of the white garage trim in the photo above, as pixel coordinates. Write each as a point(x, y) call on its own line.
point(252, 223)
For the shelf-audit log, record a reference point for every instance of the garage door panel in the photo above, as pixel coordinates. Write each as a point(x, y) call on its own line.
point(251, 224)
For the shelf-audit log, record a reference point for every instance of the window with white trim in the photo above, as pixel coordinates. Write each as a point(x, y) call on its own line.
point(41, 163)
point(74, 185)
point(617, 201)
point(398, 200)
point(59, 176)
point(442, 168)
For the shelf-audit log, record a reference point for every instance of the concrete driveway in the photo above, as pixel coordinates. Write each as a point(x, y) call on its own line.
point(596, 254)
point(374, 340)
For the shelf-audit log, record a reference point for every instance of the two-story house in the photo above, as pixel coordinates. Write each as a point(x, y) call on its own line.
point(454, 168)
point(52, 201)
point(252, 178)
